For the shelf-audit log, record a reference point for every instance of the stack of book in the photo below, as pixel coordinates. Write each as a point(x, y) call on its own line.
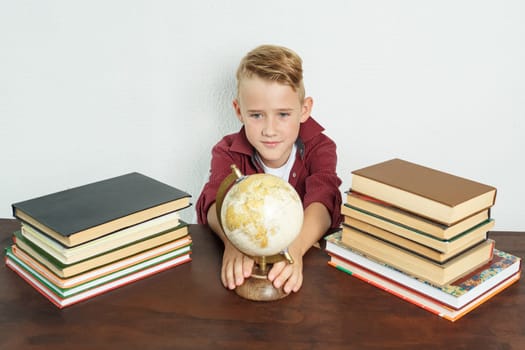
point(84, 241)
point(421, 234)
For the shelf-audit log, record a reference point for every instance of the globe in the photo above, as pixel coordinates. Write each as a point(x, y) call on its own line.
point(261, 214)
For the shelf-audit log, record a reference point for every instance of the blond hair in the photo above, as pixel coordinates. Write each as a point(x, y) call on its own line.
point(273, 63)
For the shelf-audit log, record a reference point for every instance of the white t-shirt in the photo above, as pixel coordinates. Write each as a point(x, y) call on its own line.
point(284, 171)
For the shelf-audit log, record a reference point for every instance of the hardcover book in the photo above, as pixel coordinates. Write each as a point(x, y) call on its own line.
point(69, 270)
point(427, 192)
point(417, 265)
point(103, 270)
point(456, 295)
point(61, 302)
point(409, 245)
point(402, 217)
point(100, 281)
point(392, 231)
point(419, 299)
point(126, 236)
point(81, 214)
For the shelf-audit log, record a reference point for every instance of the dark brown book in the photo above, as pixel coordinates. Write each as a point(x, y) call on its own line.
point(427, 192)
point(81, 214)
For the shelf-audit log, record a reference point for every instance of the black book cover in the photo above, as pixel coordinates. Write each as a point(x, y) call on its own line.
point(77, 209)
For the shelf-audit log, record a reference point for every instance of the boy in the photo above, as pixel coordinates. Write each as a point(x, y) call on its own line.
point(281, 138)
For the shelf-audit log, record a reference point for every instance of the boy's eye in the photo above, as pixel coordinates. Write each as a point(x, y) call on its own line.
point(255, 115)
point(284, 114)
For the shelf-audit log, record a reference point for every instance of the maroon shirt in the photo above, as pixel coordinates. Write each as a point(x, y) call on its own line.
point(313, 173)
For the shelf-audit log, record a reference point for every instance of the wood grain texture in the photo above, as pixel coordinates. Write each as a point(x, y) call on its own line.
point(188, 308)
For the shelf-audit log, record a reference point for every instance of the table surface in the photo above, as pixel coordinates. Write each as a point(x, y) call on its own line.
point(187, 308)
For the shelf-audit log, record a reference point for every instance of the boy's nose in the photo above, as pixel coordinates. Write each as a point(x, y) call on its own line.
point(269, 127)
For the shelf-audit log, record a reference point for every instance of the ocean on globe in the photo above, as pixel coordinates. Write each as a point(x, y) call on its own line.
point(261, 215)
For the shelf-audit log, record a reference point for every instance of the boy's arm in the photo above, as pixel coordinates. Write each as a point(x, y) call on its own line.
point(322, 201)
point(213, 222)
point(322, 183)
point(317, 220)
point(235, 265)
point(220, 168)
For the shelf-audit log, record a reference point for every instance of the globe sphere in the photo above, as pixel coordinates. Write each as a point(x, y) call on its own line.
point(261, 215)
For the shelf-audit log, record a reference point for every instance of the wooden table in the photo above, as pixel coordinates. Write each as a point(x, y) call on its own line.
point(187, 308)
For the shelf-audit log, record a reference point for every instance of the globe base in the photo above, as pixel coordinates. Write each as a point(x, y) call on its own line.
point(259, 288)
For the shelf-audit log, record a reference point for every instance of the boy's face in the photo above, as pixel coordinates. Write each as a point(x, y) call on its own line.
point(271, 113)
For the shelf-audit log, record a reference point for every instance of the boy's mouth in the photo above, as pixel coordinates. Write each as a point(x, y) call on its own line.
point(270, 144)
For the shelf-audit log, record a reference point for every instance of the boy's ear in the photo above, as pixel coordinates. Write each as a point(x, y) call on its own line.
point(307, 109)
point(237, 109)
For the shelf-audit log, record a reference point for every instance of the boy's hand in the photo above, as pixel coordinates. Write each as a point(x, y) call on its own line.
point(290, 276)
point(235, 267)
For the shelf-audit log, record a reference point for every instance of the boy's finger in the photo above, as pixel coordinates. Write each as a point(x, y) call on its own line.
point(294, 283)
point(227, 276)
point(247, 267)
point(283, 276)
point(238, 273)
point(276, 270)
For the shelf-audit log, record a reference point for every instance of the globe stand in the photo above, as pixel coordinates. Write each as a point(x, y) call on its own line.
point(258, 287)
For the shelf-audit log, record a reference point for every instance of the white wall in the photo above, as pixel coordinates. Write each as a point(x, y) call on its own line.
point(94, 89)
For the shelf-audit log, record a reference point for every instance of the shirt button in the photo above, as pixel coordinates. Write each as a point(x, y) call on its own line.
point(294, 175)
